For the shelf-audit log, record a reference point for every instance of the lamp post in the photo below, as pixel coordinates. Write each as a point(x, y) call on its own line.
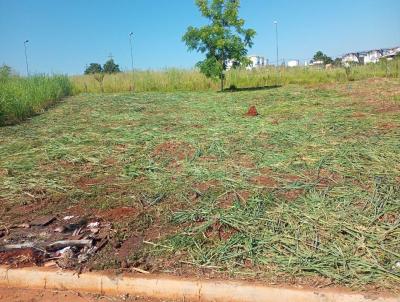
point(26, 57)
point(130, 44)
point(277, 47)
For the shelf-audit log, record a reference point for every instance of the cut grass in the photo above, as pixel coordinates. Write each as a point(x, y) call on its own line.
point(308, 189)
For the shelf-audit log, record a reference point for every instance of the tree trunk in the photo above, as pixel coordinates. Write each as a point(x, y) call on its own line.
point(222, 81)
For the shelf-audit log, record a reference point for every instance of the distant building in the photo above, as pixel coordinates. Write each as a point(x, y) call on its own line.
point(293, 63)
point(317, 63)
point(255, 62)
point(390, 53)
point(350, 58)
point(369, 56)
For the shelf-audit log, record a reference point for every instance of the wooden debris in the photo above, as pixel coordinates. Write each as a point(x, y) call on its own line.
point(58, 245)
point(43, 221)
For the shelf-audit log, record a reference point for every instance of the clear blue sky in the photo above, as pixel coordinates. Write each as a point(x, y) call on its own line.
point(67, 34)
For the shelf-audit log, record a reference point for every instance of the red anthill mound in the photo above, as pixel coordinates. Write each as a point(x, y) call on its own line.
point(252, 111)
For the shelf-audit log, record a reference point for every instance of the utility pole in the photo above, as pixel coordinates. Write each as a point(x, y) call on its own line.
point(130, 44)
point(26, 57)
point(277, 47)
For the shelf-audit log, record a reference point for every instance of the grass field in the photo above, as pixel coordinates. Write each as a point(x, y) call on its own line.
point(306, 192)
point(170, 80)
point(21, 98)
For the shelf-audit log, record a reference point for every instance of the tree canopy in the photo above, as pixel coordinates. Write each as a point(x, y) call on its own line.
point(223, 39)
point(93, 68)
point(320, 56)
point(108, 67)
point(111, 67)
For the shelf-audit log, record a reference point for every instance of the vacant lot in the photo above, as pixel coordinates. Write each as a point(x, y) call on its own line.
point(308, 191)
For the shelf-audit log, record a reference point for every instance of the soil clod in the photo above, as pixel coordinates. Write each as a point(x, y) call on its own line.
point(252, 111)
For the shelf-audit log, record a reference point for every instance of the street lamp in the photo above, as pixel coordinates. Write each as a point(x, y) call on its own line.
point(130, 43)
point(277, 48)
point(26, 57)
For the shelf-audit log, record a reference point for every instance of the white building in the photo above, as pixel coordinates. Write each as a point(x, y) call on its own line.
point(293, 63)
point(255, 62)
point(369, 56)
point(317, 63)
point(390, 53)
point(350, 58)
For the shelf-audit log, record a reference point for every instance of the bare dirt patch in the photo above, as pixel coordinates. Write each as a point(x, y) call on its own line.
point(203, 187)
point(228, 199)
point(388, 126)
point(40, 295)
point(21, 257)
point(263, 180)
point(218, 231)
point(174, 149)
point(292, 195)
point(116, 213)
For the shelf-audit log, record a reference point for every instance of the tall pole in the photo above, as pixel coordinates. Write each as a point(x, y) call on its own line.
point(130, 44)
point(26, 57)
point(277, 47)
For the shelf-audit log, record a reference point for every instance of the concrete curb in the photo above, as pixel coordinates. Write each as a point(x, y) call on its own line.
point(172, 288)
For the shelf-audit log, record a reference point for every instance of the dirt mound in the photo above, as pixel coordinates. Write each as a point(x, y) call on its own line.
point(252, 111)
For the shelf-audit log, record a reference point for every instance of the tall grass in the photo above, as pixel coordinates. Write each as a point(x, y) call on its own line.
point(24, 97)
point(192, 80)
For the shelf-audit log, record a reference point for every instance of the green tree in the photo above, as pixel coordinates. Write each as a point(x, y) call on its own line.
point(111, 67)
point(320, 56)
point(223, 39)
point(93, 68)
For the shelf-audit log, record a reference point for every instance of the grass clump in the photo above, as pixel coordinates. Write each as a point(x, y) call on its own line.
point(21, 98)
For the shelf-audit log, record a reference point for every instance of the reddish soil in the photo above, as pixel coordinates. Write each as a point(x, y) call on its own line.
point(252, 111)
point(116, 213)
point(322, 178)
point(245, 161)
point(387, 126)
point(174, 149)
point(203, 187)
point(210, 158)
point(290, 178)
point(293, 194)
point(263, 180)
point(220, 232)
point(129, 246)
point(21, 257)
point(40, 295)
point(358, 114)
point(388, 108)
point(228, 199)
